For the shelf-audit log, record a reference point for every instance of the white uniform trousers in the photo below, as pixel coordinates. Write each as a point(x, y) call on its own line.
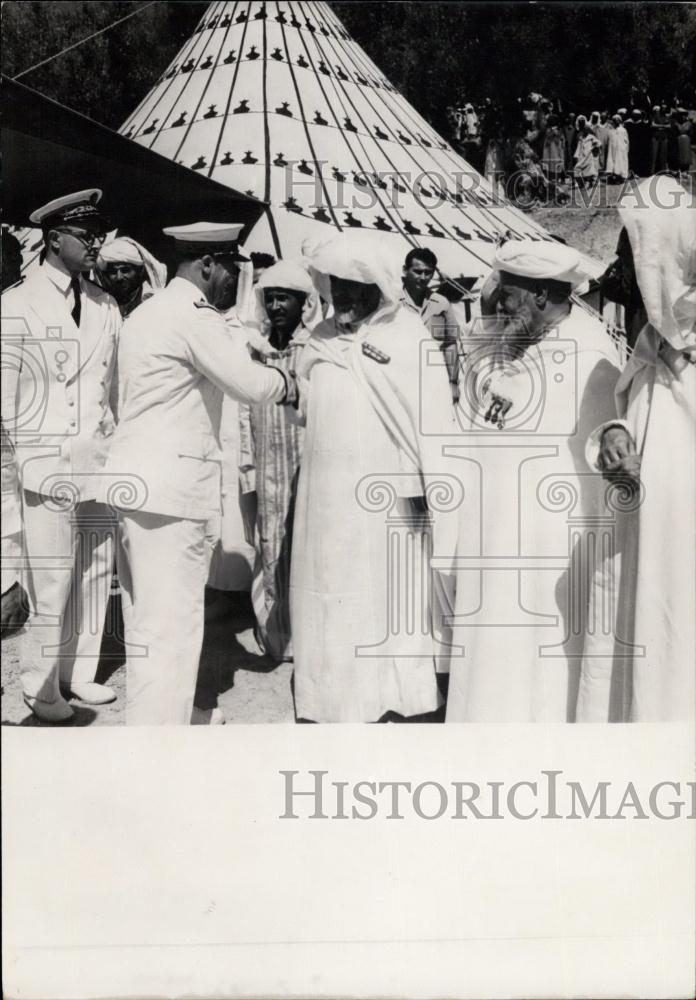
point(69, 552)
point(163, 567)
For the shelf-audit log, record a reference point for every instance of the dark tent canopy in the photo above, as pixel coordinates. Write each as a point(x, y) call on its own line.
point(49, 150)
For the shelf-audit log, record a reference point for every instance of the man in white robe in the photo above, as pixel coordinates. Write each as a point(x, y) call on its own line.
point(653, 443)
point(527, 534)
point(368, 450)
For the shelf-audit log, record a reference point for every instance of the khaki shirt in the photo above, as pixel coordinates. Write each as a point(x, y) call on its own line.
point(435, 313)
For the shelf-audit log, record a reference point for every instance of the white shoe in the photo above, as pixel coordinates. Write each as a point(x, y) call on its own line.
point(89, 692)
point(207, 717)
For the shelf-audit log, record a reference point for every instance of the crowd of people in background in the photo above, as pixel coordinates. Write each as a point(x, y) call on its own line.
point(545, 149)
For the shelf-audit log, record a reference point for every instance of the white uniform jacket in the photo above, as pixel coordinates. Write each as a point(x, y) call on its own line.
point(56, 381)
point(176, 358)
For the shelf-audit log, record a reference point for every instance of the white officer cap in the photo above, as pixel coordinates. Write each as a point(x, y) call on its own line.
point(207, 238)
point(543, 261)
point(78, 207)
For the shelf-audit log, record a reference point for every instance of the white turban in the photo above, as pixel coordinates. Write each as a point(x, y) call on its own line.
point(125, 250)
point(661, 225)
point(543, 261)
point(293, 276)
point(358, 258)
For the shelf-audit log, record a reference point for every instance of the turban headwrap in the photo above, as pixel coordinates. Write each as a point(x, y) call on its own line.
point(125, 250)
point(358, 258)
point(293, 276)
point(541, 261)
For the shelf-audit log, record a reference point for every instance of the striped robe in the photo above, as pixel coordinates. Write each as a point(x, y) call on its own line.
point(270, 452)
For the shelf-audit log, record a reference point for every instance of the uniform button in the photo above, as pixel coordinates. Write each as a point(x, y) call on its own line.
point(73, 423)
point(71, 402)
point(60, 377)
point(105, 362)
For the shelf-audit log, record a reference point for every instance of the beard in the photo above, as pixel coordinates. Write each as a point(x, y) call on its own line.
point(516, 335)
point(352, 309)
point(347, 315)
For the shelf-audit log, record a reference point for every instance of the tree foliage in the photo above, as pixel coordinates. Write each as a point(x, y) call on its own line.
point(589, 55)
point(107, 76)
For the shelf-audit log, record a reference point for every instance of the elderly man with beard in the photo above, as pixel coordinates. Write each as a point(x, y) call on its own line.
point(129, 272)
point(271, 450)
point(525, 555)
point(364, 383)
point(176, 359)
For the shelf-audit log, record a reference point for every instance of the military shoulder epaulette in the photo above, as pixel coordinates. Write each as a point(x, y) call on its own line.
point(371, 352)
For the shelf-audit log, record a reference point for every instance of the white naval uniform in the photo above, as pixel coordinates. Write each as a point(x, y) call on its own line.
point(56, 381)
point(176, 359)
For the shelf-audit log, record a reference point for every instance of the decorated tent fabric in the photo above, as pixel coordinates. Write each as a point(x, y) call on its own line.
point(275, 99)
point(30, 243)
point(50, 149)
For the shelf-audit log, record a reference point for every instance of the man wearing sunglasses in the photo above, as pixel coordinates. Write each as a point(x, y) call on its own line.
point(60, 335)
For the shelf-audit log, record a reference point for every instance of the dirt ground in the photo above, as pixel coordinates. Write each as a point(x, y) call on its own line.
point(246, 685)
point(234, 674)
point(592, 228)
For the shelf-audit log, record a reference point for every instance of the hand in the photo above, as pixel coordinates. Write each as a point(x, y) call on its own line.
point(292, 392)
point(495, 414)
point(617, 454)
point(626, 468)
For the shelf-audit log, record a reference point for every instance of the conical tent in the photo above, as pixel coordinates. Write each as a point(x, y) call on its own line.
point(276, 100)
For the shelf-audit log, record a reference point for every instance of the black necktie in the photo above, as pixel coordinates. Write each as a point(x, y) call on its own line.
point(77, 308)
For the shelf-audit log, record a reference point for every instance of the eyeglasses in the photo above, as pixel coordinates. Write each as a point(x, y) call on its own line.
point(87, 239)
